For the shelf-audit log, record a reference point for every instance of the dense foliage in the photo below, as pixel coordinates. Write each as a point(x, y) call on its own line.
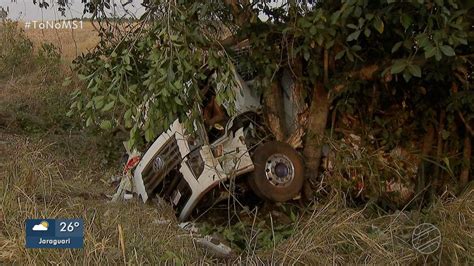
point(148, 78)
point(402, 69)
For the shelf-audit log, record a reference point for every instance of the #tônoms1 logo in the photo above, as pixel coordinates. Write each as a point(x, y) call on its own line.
point(54, 25)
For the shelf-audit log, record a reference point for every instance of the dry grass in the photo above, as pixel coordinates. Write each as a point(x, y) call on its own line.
point(50, 177)
point(60, 175)
point(37, 181)
point(336, 234)
point(70, 42)
point(32, 97)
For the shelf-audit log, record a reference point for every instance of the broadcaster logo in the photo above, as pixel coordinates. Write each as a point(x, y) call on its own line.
point(426, 238)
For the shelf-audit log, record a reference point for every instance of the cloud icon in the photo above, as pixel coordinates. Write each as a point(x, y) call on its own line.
point(43, 226)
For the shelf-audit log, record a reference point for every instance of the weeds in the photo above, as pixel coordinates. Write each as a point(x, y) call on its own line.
point(245, 236)
point(43, 180)
point(18, 55)
point(31, 96)
point(35, 184)
point(336, 234)
point(16, 50)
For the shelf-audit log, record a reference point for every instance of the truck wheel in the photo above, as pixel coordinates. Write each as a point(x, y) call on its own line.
point(279, 172)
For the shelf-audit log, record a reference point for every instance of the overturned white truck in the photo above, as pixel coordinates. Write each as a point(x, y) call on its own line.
point(182, 167)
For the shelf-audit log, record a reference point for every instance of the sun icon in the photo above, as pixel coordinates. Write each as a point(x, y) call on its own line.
point(45, 224)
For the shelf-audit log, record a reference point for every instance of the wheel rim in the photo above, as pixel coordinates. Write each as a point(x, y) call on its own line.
point(279, 170)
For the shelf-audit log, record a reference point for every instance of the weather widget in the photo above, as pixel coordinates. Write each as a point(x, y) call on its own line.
point(54, 233)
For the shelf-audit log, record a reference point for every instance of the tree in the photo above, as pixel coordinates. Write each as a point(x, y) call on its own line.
point(144, 74)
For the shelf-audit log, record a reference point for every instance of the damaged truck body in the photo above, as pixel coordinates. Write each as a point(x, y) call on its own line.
point(182, 168)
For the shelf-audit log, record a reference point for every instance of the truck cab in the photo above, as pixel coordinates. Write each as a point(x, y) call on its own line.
point(182, 167)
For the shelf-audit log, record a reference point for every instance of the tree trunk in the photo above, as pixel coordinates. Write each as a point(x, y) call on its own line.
point(439, 152)
point(439, 145)
point(318, 115)
point(464, 178)
point(423, 169)
point(274, 111)
point(296, 135)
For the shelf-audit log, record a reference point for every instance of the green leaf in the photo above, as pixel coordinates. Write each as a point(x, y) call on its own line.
point(350, 56)
point(108, 106)
point(430, 52)
point(128, 118)
point(89, 121)
point(367, 32)
point(126, 58)
point(415, 70)
point(106, 125)
point(405, 20)
point(133, 88)
point(353, 36)
point(329, 44)
point(99, 104)
point(133, 132)
point(406, 76)
point(131, 143)
point(357, 12)
point(423, 41)
point(378, 25)
point(352, 26)
point(335, 16)
point(98, 98)
point(438, 54)
point(340, 54)
point(447, 50)
point(75, 93)
point(149, 135)
point(174, 38)
point(396, 47)
point(398, 66)
point(122, 99)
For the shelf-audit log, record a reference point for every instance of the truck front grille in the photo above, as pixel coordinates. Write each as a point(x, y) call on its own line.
point(171, 156)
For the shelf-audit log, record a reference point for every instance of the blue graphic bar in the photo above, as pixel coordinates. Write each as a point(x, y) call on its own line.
point(54, 233)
